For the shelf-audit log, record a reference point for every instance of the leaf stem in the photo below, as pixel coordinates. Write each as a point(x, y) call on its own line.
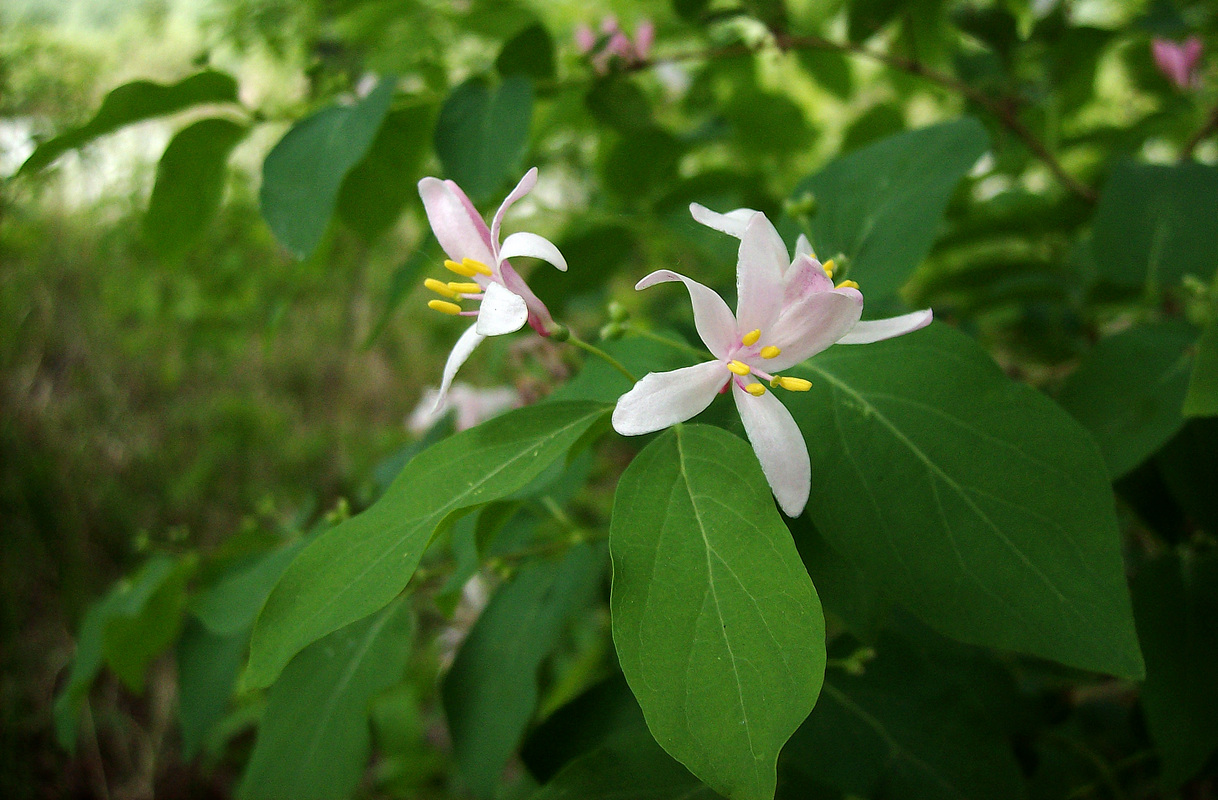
point(601, 354)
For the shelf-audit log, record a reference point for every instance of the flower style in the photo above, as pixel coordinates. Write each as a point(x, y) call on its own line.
point(475, 254)
point(787, 311)
point(1178, 62)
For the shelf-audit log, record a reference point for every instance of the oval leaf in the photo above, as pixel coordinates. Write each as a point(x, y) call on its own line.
point(881, 206)
point(134, 102)
point(717, 626)
point(357, 567)
point(482, 133)
point(190, 184)
point(976, 502)
point(303, 173)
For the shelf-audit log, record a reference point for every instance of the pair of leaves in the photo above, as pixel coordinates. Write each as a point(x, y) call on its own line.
point(881, 206)
point(360, 565)
point(717, 627)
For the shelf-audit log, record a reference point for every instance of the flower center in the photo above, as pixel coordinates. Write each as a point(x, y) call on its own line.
point(454, 291)
point(741, 368)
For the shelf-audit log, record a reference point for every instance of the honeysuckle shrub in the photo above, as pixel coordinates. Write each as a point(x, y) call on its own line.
point(972, 557)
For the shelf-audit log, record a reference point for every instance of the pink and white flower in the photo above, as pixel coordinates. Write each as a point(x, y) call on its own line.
point(612, 44)
point(505, 302)
point(1178, 61)
point(787, 311)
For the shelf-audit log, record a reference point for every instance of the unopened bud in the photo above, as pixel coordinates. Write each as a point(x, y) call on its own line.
point(559, 332)
point(613, 330)
point(618, 312)
point(802, 205)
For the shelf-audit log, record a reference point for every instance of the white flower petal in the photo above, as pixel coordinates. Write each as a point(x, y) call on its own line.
point(455, 222)
point(502, 311)
point(875, 330)
point(813, 324)
point(662, 399)
point(524, 187)
point(805, 276)
point(803, 247)
point(779, 446)
point(461, 350)
point(532, 246)
point(731, 223)
point(759, 275)
point(712, 317)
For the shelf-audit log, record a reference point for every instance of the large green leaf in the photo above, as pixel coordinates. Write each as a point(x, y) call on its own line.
point(490, 693)
point(190, 184)
point(233, 603)
point(1130, 389)
point(976, 502)
point(882, 206)
point(900, 729)
point(134, 102)
point(482, 133)
point(717, 626)
point(630, 765)
point(1176, 601)
point(1155, 223)
point(1202, 397)
point(357, 567)
point(303, 173)
point(313, 741)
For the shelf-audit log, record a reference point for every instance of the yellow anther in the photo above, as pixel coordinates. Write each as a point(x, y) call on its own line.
point(751, 338)
point(460, 269)
point(847, 285)
point(739, 367)
point(794, 384)
point(444, 307)
point(828, 267)
point(755, 389)
point(439, 287)
point(770, 351)
point(476, 266)
point(465, 288)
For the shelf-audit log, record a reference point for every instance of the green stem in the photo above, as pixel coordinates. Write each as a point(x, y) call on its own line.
point(655, 337)
point(601, 354)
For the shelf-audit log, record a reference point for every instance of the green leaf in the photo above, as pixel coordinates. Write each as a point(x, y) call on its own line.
point(1202, 397)
point(357, 567)
point(717, 626)
point(1129, 391)
point(208, 665)
point(618, 102)
point(585, 723)
point(134, 102)
point(233, 603)
point(376, 189)
point(901, 730)
point(881, 206)
point(529, 53)
point(146, 618)
point(640, 162)
point(846, 592)
point(1176, 601)
point(190, 181)
point(490, 693)
point(404, 279)
point(627, 766)
point(482, 133)
point(303, 173)
point(976, 502)
point(313, 742)
point(85, 665)
point(1155, 224)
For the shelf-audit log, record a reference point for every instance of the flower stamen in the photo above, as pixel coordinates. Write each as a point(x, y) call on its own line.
point(464, 288)
point(460, 269)
point(440, 288)
point(477, 266)
point(755, 389)
point(444, 307)
point(750, 338)
point(771, 351)
point(739, 368)
point(847, 285)
point(794, 384)
point(828, 267)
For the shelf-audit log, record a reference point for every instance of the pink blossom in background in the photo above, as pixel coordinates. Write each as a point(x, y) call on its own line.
point(1178, 60)
point(614, 44)
point(473, 406)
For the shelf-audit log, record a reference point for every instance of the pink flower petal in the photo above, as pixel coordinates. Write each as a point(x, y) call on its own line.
point(455, 222)
point(813, 324)
point(539, 315)
point(712, 317)
point(524, 187)
point(759, 275)
point(869, 331)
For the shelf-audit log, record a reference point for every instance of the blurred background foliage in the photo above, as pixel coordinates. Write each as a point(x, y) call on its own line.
point(222, 380)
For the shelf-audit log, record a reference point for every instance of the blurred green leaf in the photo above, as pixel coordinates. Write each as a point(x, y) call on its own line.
point(618, 102)
point(641, 162)
point(1129, 391)
point(628, 765)
point(1176, 601)
point(601, 251)
point(376, 189)
point(1202, 397)
point(600, 382)
point(1155, 224)
point(582, 725)
point(976, 502)
point(313, 741)
point(483, 132)
point(135, 102)
point(404, 279)
point(529, 53)
point(830, 70)
point(146, 617)
point(717, 626)
point(881, 206)
point(208, 665)
point(691, 10)
point(233, 603)
point(360, 565)
point(304, 172)
point(490, 694)
point(190, 180)
point(845, 591)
